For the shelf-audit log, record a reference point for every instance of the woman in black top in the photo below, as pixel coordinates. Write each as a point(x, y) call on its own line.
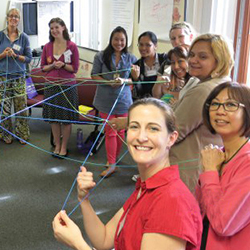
point(144, 71)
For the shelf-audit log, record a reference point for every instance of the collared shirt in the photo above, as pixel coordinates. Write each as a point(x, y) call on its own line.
point(164, 206)
point(144, 85)
point(106, 96)
point(225, 200)
point(152, 71)
point(21, 46)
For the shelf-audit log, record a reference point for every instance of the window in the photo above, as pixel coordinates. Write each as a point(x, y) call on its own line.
point(87, 32)
point(213, 16)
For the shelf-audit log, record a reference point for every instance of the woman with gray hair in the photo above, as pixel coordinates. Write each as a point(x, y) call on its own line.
point(15, 53)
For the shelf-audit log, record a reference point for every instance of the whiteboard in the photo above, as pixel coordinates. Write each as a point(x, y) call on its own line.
point(46, 10)
point(123, 15)
point(156, 16)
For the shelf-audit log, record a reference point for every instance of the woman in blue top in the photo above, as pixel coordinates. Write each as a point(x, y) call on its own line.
point(112, 69)
point(15, 53)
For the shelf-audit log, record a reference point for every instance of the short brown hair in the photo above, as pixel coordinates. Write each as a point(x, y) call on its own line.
point(165, 108)
point(236, 91)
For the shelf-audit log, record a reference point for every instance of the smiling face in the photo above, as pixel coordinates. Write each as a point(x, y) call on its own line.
point(201, 60)
point(118, 41)
point(226, 124)
point(56, 30)
point(179, 66)
point(146, 47)
point(179, 37)
point(13, 18)
point(147, 138)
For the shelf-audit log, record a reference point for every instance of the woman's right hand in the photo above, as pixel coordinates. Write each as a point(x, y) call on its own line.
point(212, 158)
point(8, 52)
point(135, 72)
point(67, 232)
point(85, 183)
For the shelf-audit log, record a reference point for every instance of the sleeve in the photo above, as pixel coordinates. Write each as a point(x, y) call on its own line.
point(178, 219)
point(44, 56)
point(165, 69)
point(75, 57)
point(227, 209)
point(27, 49)
point(188, 110)
point(133, 59)
point(138, 64)
point(97, 65)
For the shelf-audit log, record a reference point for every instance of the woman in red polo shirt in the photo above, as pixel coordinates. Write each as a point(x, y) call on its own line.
point(161, 213)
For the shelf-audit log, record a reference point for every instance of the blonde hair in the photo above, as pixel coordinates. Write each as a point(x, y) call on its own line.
point(186, 27)
point(13, 9)
point(222, 51)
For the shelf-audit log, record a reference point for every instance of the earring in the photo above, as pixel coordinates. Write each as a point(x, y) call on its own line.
point(215, 74)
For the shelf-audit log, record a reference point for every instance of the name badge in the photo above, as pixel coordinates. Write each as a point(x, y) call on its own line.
point(67, 59)
point(116, 75)
point(151, 72)
point(16, 47)
point(67, 55)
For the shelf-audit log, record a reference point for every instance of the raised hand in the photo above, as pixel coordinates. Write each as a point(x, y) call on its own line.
point(85, 183)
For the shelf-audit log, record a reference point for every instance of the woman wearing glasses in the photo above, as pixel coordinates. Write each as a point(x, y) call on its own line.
point(15, 53)
point(210, 60)
point(146, 68)
point(224, 186)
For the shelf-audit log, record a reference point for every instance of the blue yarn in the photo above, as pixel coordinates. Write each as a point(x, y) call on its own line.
point(103, 126)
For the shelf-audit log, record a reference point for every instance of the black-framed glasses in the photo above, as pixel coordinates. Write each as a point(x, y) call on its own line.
point(228, 106)
point(13, 17)
point(147, 45)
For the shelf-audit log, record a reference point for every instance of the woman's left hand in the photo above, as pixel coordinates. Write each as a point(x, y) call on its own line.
point(118, 82)
point(212, 158)
point(58, 64)
point(66, 231)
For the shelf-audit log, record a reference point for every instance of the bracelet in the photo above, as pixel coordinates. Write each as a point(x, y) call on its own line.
point(17, 57)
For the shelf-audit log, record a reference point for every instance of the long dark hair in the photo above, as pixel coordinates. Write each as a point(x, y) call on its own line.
point(109, 50)
point(62, 23)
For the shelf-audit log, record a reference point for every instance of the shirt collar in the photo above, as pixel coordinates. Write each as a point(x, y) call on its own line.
point(5, 31)
point(161, 178)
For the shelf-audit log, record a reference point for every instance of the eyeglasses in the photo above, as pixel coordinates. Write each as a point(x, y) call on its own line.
point(147, 45)
point(228, 106)
point(14, 17)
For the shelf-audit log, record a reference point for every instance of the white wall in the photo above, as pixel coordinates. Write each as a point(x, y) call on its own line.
point(3, 10)
point(163, 46)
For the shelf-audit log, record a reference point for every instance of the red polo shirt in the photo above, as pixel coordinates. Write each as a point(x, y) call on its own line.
point(165, 206)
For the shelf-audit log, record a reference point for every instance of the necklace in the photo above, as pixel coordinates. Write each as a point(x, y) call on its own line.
point(225, 162)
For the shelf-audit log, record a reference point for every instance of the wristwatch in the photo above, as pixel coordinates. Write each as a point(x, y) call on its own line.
point(17, 57)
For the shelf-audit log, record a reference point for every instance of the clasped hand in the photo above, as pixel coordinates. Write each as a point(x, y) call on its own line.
point(9, 52)
point(135, 72)
point(58, 64)
point(117, 82)
point(212, 158)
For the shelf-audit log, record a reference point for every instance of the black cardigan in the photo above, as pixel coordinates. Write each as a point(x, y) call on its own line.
point(145, 89)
